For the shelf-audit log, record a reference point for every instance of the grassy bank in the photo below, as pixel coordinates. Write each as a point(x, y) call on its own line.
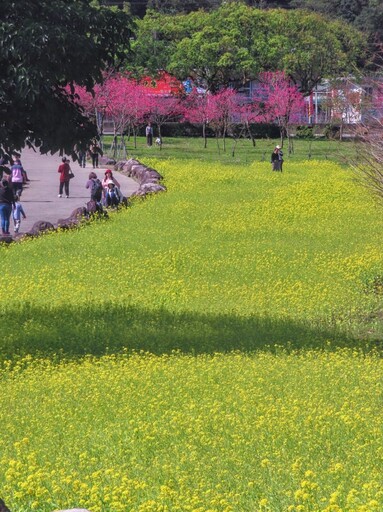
point(243, 152)
point(228, 258)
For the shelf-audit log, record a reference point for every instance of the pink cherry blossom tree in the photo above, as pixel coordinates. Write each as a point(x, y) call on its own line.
point(221, 111)
point(162, 109)
point(195, 109)
point(280, 100)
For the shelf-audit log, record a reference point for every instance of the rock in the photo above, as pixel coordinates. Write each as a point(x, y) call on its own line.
point(39, 227)
point(129, 163)
point(67, 223)
point(3, 507)
point(105, 160)
point(6, 239)
point(79, 212)
point(91, 206)
point(149, 188)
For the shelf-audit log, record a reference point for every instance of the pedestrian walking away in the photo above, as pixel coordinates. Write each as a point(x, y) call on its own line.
point(17, 177)
point(65, 176)
point(95, 151)
point(17, 213)
point(7, 200)
point(81, 157)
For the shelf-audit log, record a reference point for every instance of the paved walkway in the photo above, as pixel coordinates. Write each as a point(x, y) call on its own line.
point(39, 196)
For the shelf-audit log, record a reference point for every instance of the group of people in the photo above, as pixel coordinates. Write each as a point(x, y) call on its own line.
point(106, 192)
point(94, 151)
point(11, 188)
point(149, 136)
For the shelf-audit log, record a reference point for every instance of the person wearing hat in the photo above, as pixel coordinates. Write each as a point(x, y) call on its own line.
point(275, 161)
point(113, 196)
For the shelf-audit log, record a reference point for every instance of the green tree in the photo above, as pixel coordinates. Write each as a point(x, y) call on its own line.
point(366, 15)
point(45, 45)
point(237, 42)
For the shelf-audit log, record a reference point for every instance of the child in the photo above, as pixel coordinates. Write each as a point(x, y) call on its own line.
point(113, 195)
point(17, 212)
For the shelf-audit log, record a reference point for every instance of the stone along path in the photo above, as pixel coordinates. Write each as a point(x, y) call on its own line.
point(39, 196)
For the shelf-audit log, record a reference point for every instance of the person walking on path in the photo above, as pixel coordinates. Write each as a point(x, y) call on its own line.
point(17, 177)
point(95, 151)
point(149, 134)
point(7, 200)
point(17, 212)
point(65, 175)
point(82, 158)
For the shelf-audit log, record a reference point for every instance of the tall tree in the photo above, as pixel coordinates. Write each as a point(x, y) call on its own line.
point(236, 42)
point(282, 101)
point(45, 45)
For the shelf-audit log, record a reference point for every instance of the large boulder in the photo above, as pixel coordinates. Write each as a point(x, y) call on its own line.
point(105, 160)
point(39, 227)
point(68, 223)
point(79, 212)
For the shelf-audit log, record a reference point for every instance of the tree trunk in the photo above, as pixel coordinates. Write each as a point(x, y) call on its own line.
point(250, 134)
point(204, 135)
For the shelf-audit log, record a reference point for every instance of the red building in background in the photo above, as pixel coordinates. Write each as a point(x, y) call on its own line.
point(164, 84)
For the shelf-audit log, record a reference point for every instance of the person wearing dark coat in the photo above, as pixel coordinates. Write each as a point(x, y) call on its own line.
point(7, 200)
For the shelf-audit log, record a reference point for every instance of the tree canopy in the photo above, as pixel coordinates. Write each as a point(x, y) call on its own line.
point(237, 42)
point(45, 45)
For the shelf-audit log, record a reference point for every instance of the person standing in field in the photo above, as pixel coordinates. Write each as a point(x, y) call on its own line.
point(65, 175)
point(280, 156)
point(17, 212)
point(149, 134)
point(7, 200)
point(275, 161)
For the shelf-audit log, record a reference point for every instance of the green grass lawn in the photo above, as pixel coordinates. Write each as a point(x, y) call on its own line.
point(214, 348)
point(186, 148)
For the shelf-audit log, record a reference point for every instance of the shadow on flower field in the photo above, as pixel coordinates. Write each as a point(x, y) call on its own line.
point(70, 332)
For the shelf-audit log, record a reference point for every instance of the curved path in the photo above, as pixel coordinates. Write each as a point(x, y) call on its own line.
point(39, 196)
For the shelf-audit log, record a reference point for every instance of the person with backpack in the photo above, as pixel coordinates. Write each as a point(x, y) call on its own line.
point(95, 186)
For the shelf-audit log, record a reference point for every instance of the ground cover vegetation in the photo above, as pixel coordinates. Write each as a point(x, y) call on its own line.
point(263, 432)
point(277, 267)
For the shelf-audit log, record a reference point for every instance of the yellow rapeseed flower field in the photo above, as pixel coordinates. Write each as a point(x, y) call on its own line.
point(235, 432)
point(204, 351)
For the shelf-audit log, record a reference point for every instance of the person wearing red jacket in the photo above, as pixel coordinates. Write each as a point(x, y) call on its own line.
point(65, 175)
